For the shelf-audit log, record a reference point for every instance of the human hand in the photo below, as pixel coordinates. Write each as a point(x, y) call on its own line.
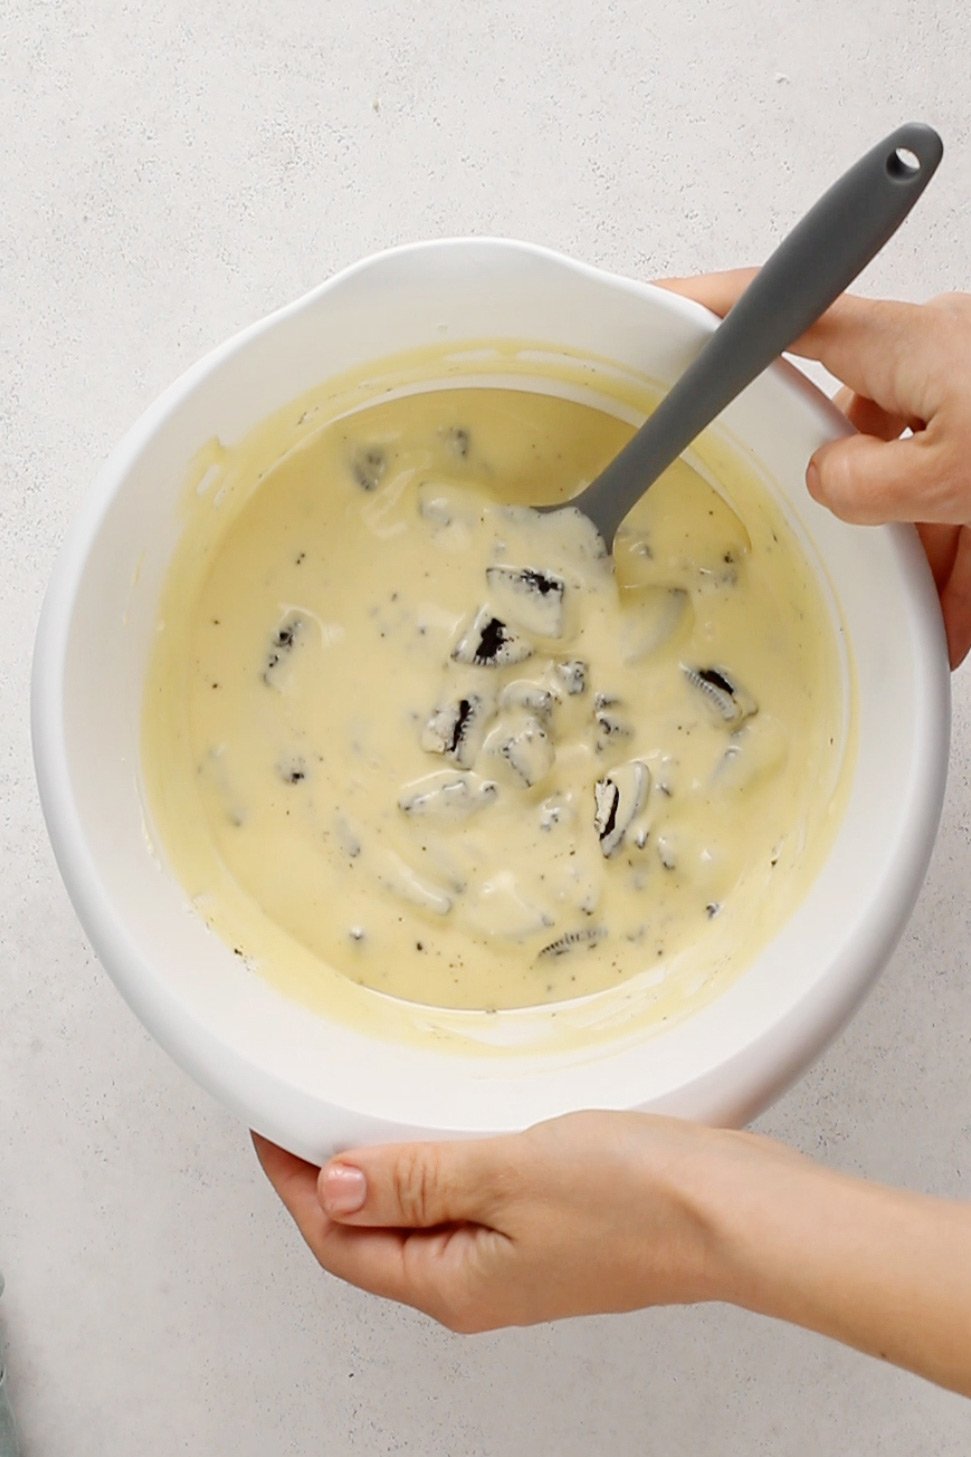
point(591, 1212)
point(598, 1212)
point(903, 366)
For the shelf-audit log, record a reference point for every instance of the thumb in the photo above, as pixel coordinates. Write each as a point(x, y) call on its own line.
point(416, 1185)
point(866, 480)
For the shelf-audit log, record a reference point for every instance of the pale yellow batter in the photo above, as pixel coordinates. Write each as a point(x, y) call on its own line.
point(460, 755)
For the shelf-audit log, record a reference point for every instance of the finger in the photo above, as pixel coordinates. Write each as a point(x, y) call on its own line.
point(419, 1185)
point(940, 545)
point(869, 418)
point(443, 1272)
point(956, 601)
point(843, 400)
point(296, 1183)
point(717, 291)
point(948, 550)
point(371, 1259)
point(869, 481)
point(872, 345)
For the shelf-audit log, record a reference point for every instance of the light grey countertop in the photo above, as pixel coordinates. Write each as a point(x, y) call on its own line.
point(169, 173)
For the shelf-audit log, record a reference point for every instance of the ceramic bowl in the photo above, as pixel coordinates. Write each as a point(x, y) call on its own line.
point(315, 1084)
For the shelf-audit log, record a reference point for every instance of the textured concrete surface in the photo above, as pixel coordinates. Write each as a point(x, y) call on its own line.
point(168, 173)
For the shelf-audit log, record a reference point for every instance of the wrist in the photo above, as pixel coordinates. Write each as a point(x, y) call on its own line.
point(741, 1192)
point(768, 1230)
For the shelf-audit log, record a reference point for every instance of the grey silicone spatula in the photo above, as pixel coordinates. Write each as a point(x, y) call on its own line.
point(819, 259)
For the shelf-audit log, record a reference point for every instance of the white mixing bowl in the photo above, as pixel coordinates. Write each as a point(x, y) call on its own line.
point(313, 1084)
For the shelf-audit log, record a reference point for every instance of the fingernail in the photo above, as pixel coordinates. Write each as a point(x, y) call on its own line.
point(342, 1189)
point(812, 479)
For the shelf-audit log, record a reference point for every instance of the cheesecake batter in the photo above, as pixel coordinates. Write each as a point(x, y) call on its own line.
point(455, 751)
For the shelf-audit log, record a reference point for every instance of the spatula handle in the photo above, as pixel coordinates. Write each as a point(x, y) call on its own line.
point(822, 255)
